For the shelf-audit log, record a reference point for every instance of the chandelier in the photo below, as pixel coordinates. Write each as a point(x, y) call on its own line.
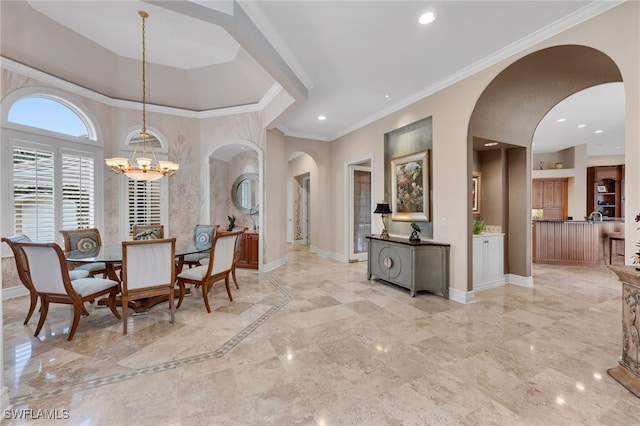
point(145, 167)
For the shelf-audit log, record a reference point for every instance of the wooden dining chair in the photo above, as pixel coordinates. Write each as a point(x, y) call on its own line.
point(23, 270)
point(147, 232)
point(203, 235)
point(49, 274)
point(86, 240)
point(236, 257)
point(218, 268)
point(148, 270)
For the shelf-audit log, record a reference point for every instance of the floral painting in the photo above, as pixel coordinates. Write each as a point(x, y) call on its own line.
point(410, 187)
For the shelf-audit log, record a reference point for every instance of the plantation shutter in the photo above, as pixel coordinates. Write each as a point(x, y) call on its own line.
point(144, 203)
point(77, 191)
point(33, 193)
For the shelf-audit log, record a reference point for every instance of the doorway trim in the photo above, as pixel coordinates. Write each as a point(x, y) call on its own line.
point(349, 167)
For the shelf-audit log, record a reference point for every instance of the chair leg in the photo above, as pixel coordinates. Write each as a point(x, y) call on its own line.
point(34, 301)
point(182, 290)
point(44, 310)
point(233, 272)
point(226, 284)
point(172, 307)
point(205, 296)
point(125, 313)
point(85, 313)
point(77, 313)
point(112, 303)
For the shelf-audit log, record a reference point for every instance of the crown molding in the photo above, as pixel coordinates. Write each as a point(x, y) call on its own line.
point(70, 87)
point(272, 35)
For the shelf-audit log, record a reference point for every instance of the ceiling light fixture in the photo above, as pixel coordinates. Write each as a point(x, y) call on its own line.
point(560, 120)
point(599, 131)
point(322, 117)
point(427, 18)
point(144, 168)
point(581, 126)
point(491, 144)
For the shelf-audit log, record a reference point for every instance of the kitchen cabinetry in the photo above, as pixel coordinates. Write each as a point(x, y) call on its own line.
point(488, 261)
point(248, 251)
point(416, 266)
point(605, 189)
point(550, 195)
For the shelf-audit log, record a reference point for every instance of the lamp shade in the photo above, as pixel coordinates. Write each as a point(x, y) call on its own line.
point(382, 208)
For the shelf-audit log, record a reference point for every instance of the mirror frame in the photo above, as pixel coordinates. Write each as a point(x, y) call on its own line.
point(234, 193)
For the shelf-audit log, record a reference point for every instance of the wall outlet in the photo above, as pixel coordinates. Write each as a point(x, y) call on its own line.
point(443, 221)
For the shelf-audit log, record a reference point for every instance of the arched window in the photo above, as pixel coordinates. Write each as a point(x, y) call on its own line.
point(51, 167)
point(48, 114)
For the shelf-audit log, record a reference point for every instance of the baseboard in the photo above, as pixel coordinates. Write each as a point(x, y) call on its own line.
point(519, 280)
point(273, 265)
point(13, 292)
point(329, 254)
point(459, 296)
point(486, 285)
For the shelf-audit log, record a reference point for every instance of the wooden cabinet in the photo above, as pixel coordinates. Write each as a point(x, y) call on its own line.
point(550, 195)
point(416, 266)
point(248, 251)
point(488, 261)
point(605, 189)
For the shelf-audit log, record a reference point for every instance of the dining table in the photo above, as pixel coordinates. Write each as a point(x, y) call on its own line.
point(111, 256)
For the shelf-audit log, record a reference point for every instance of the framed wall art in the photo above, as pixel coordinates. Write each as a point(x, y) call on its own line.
point(476, 188)
point(410, 187)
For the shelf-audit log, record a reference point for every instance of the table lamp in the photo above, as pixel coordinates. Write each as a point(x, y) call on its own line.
point(384, 210)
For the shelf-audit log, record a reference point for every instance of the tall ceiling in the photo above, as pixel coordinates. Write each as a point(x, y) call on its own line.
point(350, 61)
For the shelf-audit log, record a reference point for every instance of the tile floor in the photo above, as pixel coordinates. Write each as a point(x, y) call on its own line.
point(315, 343)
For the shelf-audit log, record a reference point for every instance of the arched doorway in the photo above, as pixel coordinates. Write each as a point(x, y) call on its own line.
point(506, 116)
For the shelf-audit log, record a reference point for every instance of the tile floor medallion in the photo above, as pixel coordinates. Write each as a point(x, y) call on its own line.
point(314, 342)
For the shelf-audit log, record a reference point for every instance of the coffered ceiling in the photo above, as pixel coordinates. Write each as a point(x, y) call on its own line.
point(350, 61)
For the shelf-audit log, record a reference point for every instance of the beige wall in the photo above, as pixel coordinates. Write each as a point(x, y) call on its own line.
point(616, 33)
point(274, 230)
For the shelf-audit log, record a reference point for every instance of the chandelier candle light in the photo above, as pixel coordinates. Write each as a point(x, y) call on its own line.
point(143, 168)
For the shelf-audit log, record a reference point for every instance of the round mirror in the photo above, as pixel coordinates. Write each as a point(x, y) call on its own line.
point(244, 193)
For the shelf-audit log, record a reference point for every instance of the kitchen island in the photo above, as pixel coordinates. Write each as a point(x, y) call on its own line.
point(573, 242)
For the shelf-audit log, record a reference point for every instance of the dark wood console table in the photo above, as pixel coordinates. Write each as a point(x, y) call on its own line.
point(422, 265)
point(628, 370)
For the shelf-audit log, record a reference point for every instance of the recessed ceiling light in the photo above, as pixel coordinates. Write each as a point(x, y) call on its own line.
point(387, 96)
point(618, 147)
point(560, 120)
point(322, 117)
point(427, 18)
point(491, 144)
point(599, 131)
point(580, 126)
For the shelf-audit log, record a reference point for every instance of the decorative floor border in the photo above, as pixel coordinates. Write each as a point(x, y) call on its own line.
point(170, 365)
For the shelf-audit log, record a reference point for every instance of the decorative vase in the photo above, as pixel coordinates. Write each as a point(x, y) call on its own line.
point(414, 236)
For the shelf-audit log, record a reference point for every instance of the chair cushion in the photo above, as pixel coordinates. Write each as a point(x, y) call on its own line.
point(203, 236)
point(83, 241)
point(196, 273)
point(88, 286)
point(149, 234)
point(92, 267)
point(194, 257)
point(76, 274)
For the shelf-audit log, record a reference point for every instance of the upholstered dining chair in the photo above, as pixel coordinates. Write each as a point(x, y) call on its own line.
point(23, 270)
point(84, 240)
point(49, 276)
point(147, 232)
point(218, 268)
point(202, 237)
point(148, 270)
point(236, 257)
